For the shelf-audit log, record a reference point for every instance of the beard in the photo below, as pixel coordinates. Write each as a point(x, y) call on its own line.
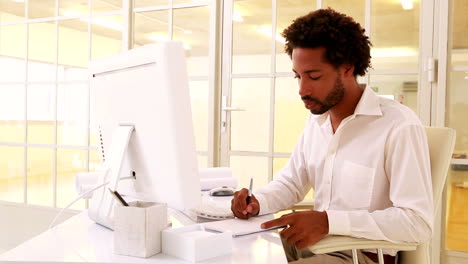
point(332, 99)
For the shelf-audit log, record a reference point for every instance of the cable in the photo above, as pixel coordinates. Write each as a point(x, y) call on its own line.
point(74, 201)
point(78, 198)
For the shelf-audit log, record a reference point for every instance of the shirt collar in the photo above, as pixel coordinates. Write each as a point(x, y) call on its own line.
point(369, 104)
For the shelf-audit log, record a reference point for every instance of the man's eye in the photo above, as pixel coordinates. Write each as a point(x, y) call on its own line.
point(297, 77)
point(314, 78)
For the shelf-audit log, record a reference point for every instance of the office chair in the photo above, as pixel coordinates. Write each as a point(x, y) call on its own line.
point(441, 143)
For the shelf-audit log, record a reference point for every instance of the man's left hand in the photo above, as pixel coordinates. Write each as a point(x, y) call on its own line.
point(303, 229)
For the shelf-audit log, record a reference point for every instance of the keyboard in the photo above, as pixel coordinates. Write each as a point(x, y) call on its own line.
point(219, 209)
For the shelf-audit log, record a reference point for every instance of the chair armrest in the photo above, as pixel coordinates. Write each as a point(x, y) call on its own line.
point(338, 243)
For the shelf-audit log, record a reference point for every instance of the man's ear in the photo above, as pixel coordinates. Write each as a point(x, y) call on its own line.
point(348, 70)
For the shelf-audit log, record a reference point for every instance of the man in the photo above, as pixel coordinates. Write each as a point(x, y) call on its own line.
point(366, 157)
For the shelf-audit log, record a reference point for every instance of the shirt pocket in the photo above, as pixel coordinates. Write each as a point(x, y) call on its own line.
point(356, 185)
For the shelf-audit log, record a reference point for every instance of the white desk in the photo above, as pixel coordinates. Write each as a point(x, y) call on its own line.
point(81, 240)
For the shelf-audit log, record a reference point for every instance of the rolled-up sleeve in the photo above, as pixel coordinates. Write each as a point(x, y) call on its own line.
point(290, 186)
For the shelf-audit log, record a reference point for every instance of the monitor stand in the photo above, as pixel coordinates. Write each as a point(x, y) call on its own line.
point(101, 204)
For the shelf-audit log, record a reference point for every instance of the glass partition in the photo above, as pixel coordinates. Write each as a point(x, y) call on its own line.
point(457, 182)
point(40, 167)
point(106, 35)
point(11, 11)
point(455, 117)
point(40, 8)
point(290, 115)
point(12, 174)
point(395, 35)
point(12, 110)
point(251, 36)
point(249, 94)
point(285, 14)
point(402, 88)
point(191, 27)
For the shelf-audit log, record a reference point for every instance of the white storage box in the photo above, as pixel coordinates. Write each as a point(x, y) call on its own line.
point(137, 228)
point(194, 243)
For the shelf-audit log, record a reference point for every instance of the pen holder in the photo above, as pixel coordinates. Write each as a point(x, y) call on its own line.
point(137, 228)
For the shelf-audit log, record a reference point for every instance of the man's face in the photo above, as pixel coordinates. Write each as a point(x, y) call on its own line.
point(320, 84)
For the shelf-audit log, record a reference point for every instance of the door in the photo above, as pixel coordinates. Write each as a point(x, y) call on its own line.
point(455, 248)
point(264, 116)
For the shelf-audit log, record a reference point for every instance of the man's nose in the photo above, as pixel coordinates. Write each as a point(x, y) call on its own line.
point(303, 88)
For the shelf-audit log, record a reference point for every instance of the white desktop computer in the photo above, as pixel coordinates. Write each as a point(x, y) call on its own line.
point(142, 107)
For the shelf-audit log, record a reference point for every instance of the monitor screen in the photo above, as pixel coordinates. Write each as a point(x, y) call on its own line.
point(146, 88)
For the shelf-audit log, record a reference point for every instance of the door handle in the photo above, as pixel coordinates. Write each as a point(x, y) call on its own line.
point(232, 109)
point(225, 109)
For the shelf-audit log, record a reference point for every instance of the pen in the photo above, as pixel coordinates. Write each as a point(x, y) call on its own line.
point(119, 198)
point(249, 197)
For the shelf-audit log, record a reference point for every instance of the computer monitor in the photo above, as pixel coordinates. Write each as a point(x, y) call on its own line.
point(142, 107)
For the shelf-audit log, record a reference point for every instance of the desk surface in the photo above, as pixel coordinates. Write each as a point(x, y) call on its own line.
point(81, 240)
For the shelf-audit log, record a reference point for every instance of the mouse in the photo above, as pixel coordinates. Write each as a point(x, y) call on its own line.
point(222, 191)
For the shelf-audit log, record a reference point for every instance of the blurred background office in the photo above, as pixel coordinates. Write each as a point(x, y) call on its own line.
point(246, 109)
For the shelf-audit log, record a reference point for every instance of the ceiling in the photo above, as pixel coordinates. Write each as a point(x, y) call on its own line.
point(391, 25)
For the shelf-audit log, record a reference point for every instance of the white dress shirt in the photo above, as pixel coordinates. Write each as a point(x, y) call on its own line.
point(372, 176)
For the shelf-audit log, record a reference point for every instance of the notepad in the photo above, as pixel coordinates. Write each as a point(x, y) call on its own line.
point(240, 227)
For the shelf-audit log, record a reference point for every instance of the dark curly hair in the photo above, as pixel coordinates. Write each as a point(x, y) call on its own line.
point(341, 36)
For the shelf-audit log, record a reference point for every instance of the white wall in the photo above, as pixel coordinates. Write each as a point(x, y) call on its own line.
point(20, 222)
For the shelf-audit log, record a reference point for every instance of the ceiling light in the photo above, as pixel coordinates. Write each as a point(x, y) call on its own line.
point(18, 1)
point(237, 14)
point(393, 52)
point(187, 31)
point(103, 21)
point(158, 37)
point(407, 4)
point(187, 47)
point(71, 13)
point(106, 22)
point(237, 17)
point(266, 31)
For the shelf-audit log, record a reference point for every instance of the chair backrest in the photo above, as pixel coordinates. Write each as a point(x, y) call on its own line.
point(441, 141)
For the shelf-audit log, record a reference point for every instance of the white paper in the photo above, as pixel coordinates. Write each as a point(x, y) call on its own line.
point(216, 177)
point(240, 227)
point(208, 184)
point(215, 173)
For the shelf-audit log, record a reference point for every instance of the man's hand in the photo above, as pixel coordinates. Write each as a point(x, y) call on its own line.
point(239, 205)
point(304, 228)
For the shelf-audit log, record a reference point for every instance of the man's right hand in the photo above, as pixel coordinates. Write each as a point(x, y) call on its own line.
point(239, 205)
